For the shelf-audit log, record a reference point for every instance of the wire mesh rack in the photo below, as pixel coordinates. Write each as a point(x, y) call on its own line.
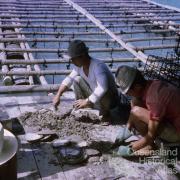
point(164, 68)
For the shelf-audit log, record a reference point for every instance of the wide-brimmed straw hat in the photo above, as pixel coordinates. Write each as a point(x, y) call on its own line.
point(125, 76)
point(9, 146)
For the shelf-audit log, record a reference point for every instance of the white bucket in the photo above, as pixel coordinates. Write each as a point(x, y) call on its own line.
point(1, 137)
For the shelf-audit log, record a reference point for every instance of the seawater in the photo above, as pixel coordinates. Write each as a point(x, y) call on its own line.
point(58, 79)
point(175, 3)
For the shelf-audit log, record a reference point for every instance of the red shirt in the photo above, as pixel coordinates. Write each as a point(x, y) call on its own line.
point(163, 102)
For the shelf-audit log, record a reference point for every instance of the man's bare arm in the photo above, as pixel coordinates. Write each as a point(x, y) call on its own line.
point(148, 138)
point(61, 90)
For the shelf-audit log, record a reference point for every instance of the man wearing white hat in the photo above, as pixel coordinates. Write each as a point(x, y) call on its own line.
point(93, 83)
point(154, 107)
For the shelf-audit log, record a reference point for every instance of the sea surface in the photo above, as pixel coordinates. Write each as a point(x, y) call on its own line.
point(58, 79)
point(175, 3)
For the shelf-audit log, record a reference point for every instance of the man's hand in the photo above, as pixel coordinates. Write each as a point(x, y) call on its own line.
point(61, 90)
point(81, 103)
point(141, 143)
point(56, 101)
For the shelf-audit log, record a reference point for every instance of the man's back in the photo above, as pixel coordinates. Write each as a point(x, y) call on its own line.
point(163, 101)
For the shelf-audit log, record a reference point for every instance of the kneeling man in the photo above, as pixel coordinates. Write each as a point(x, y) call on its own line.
point(155, 107)
point(93, 83)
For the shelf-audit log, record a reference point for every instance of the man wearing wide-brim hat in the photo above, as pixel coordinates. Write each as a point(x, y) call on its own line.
point(155, 107)
point(93, 83)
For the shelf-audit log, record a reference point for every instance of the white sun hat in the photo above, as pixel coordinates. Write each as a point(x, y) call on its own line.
point(1, 137)
point(125, 76)
point(9, 147)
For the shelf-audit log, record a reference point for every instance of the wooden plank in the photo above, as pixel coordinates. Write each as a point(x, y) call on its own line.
point(47, 162)
point(26, 168)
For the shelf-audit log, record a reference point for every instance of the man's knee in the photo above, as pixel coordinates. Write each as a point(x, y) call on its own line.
point(139, 113)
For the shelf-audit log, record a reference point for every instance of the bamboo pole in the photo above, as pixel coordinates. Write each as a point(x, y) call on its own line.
point(47, 7)
point(67, 7)
point(53, 1)
point(108, 5)
point(48, 50)
point(81, 26)
point(117, 6)
point(93, 32)
point(80, 16)
point(151, 38)
point(95, 13)
point(63, 61)
point(33, 3)
point(29, 88)
point(9, 15)
point(45, 20)
point(22, 4)
point(32, 8)
point(37, 6)
point(63, 9)
point(27, 6)
point(55, 33)
point(91, 50)
point(74, 26)
point(84, 39)
point(39, 73)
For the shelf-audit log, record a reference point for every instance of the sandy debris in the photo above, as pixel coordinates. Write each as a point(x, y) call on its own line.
point(65, 123)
